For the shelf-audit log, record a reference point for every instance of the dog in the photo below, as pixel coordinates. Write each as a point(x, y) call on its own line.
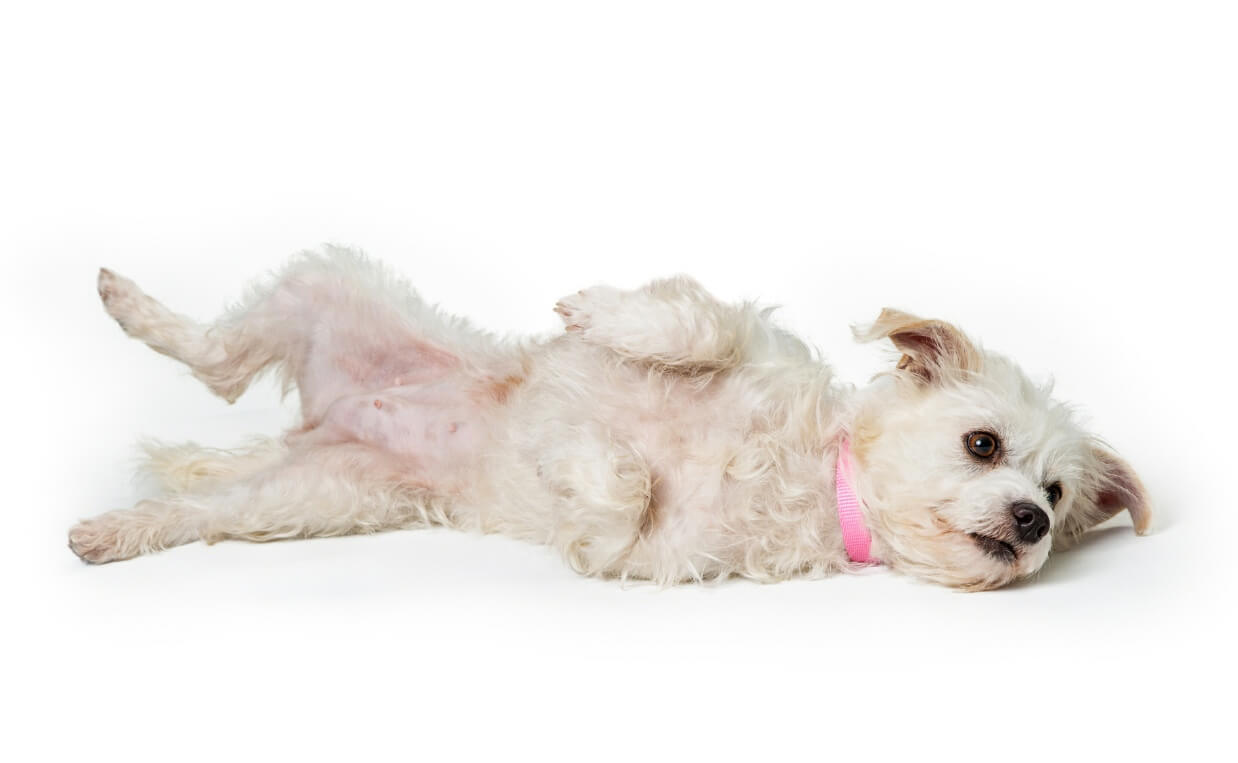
point(663, 435)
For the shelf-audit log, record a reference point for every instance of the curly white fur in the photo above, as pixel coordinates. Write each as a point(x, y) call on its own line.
point(663, 436)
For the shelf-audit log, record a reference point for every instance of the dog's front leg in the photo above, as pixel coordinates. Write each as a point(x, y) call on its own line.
point(675, 323)
point(602, 497)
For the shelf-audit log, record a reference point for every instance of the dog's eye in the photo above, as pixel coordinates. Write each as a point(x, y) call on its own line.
point(1054, 492)
point(983, 445)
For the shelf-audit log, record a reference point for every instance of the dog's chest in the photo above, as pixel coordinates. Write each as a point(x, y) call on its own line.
point(706, 444)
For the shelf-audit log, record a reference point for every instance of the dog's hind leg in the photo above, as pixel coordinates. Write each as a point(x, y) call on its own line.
point(125, 533)
point(334, 323)
point(340, 490)
point(226, 367)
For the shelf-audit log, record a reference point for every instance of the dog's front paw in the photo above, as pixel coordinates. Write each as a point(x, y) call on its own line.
point(580, 311)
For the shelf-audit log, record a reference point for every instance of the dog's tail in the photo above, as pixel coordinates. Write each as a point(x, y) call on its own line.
point(187, 467)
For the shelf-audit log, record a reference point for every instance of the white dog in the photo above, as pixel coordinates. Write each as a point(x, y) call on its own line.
point(663, 436)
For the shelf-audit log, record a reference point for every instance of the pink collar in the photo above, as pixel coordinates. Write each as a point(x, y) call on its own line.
point(855, 534)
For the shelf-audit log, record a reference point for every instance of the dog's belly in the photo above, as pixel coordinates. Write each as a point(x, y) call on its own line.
point(435, 430)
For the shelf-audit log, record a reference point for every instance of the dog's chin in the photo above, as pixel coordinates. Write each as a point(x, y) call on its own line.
point(995, 548)
point(1003, 562)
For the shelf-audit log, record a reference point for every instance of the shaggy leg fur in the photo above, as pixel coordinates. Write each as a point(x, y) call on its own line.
point(337, 491)
point(677, 324)
point(170, 334)
point(126, 533)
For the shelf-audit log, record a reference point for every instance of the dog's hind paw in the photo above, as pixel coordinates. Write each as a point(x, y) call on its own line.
point(116, 535)
point(121, 297)
point(96, 541)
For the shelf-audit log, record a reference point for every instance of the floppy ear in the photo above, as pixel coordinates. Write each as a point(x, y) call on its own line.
point(1114, 486)
point(930, 348)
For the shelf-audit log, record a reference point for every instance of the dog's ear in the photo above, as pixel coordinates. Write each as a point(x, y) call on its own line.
point(1111, 486)
point(930, 348)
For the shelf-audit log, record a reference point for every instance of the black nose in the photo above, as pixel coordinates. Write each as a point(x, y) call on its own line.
point(1030, 521)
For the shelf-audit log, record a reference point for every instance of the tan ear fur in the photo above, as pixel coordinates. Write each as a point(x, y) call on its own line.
point(930, 348)
point(1116, 487)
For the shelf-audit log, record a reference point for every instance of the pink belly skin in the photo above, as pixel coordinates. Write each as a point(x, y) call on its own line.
point(436, 429)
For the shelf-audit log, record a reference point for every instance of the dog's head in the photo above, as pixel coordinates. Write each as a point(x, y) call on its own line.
point(970, 471)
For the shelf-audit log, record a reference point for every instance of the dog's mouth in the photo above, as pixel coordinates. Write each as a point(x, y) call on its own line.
point(995, 547)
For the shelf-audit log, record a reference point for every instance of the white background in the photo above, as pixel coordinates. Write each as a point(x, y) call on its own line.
point(1056, 177)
